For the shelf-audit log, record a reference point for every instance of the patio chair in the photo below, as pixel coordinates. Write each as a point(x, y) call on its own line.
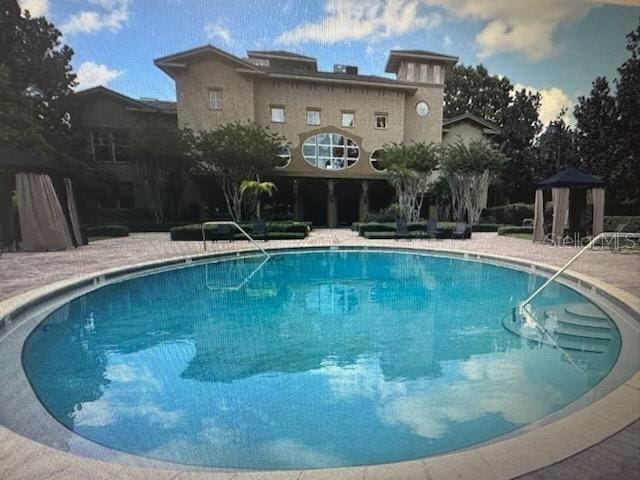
point(259, 230)
point(460, 231)
point(402, 229)
point(431, 227)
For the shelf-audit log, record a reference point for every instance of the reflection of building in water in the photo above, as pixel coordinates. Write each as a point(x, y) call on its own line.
point(331, 299)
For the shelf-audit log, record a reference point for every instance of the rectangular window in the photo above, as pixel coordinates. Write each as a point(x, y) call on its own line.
point(102, 147)
point(215, 99)
point(424, 73)
point(381, 120)
point(411, 67)
point(277, 114)
point(125, 195)
point(437, 74)
point(348, 119)
point(313, 117)
point(121, 146)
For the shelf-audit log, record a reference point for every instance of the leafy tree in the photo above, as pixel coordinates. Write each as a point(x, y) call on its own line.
point(472, 89)
point(469, 169)
point(628, 107)
point(409, 170)
point(519, 124)
point(555, 149)
point(234, 152)
point(597, 130)
point(258, 189)
point(38, 65)
point(161, 162)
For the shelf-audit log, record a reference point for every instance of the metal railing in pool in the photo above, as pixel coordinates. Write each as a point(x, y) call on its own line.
point(242, 230)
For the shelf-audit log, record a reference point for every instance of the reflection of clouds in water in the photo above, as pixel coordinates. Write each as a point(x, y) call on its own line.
point(361, 379)
point(490, 385)
point(103, 412)
point(228, 447)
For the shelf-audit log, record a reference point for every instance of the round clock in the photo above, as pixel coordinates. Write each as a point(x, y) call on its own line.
point(422, 109)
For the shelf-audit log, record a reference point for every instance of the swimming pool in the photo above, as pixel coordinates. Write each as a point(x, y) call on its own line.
point(308, 360)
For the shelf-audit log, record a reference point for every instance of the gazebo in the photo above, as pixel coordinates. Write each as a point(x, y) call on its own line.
point(47, 218)
point(569, 194)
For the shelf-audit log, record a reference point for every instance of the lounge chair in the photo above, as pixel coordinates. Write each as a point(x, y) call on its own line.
point(402, 229)
point(460, 231)
point(431, 227)
point(259, 230)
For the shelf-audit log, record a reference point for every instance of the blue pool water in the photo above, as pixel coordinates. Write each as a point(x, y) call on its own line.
point(318, 359)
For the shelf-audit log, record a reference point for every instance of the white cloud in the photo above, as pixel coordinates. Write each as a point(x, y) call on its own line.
point(218, 31)
point(519, 26)
point(37, 8)
point(110, 15)
point(91, 74)
point(554, 100)
point(362, 20)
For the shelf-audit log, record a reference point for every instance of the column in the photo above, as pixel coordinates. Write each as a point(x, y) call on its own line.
point(364, 200)
point(332, 209)
point(297, 201)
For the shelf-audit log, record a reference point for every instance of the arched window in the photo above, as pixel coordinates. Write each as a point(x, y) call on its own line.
point(285, 157)
point(376, 163)
point(330, 151)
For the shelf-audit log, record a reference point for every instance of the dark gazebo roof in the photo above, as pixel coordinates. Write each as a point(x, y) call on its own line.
point(571, 178)
point(15, 159)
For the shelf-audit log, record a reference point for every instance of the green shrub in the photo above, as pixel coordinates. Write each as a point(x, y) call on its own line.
point(272, 236)
point(511, 214)
point(299, 227)
point(632, 223)
point(486, 227)
point(446, 229)
point(392, 235)
point(389, 214)
point(509, 229)
point(108, 231)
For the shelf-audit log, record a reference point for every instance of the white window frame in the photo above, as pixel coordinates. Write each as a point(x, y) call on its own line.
point(216, 101)
point(285, 153)
point(331, 162)
point(373, 161)
point(386, 120)
point(411, 71)
point(353, 118)
point(274, 109)
point(437, 74)
point(424, 73)
point(314, 110)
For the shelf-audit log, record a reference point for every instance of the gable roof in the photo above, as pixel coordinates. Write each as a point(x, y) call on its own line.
point(178, 61)
point(469, 117)
point(572, 178)
point(393, 64)
point(146, 105)
point(280, 54)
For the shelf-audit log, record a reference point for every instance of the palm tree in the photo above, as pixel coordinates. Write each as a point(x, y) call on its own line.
point(258, 188)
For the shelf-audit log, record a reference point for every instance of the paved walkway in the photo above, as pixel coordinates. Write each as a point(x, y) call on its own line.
point(615, 458)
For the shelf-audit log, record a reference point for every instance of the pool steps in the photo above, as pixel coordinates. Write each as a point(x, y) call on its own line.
point(581, 327)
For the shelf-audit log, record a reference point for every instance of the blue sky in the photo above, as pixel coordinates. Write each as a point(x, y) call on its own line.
point(555, 46)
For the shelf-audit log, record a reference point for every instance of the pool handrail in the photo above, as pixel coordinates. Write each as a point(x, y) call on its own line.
point(594, 240)
point(242, 230)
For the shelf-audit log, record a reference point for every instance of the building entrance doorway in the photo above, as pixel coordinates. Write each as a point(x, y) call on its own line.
point(348, 202)
point(314, 195)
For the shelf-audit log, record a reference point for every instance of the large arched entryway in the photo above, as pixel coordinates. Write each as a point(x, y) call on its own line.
point(347, 193)
point(314, 194)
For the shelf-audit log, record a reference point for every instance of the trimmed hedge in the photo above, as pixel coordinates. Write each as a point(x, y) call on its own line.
point(108, 231)
point(632, 223)
point(275, 230)
point(446, 229)
point(487, 227)
point(393, 235)
point(511, 229)
point(511, 214)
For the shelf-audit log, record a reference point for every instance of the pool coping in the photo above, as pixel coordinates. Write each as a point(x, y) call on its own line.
point(503, 459)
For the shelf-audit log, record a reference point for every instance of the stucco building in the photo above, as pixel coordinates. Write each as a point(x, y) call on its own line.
point(335, 122)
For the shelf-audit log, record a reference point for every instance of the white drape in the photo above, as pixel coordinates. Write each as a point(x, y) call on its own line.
point(560, 210)
point(538, 217)
point(73, 212)
point(598, 210)
point(43, 225)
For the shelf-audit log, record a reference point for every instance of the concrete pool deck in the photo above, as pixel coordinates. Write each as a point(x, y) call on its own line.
point(615, 457)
